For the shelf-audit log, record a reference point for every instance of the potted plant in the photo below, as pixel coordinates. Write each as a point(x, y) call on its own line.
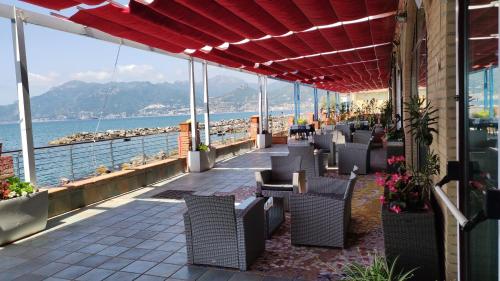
point(379, 270)
point(202, 159)
point(23, 210)
point(394, 146)
point(407, 216)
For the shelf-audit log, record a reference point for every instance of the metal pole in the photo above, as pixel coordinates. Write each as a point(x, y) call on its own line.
point(192, 104)
point(491, 91)
point(205, 102)
point(328, 104)
point(71, 162)
point(315, 92)
point(296, 115)
point(260, 104)
point(112, 155)
point(266, 105)
point(298, 99)
point(485, 89)
point(23, 94)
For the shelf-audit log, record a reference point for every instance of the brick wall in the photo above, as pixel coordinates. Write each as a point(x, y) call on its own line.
point(441, 93)
point(440, 20)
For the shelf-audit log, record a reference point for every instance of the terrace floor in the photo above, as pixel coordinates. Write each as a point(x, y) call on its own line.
point(137, 237)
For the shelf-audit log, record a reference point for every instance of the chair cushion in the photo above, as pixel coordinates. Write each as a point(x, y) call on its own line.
point(278, 185)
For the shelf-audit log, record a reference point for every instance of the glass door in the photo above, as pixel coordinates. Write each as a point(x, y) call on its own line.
point(480, 245)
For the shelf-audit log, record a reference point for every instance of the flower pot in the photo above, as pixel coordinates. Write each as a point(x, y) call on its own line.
point(264, 140)
point(199, 161)
point(394, 148)
point(411, 237)
point(23, 216)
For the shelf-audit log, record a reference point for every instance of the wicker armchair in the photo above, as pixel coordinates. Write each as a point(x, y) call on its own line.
point(345, 129)
point(326, 146)
point(219, 235)
point(285, 177)
point(321, 216)
point(354, 154)
point(312, 161)
point(362, 136)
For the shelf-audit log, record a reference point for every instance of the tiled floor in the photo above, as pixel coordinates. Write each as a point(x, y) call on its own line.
point(133, 236)
point(130, 237)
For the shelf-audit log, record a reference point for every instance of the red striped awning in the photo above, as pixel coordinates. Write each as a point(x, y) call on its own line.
point(333, 44)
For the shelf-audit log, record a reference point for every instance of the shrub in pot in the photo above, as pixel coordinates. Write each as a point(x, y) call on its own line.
point(407, 215)
point(23, 210)
point(202, 159)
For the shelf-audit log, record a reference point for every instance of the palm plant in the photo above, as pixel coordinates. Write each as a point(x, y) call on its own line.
point(379, 270)
point(422, 116)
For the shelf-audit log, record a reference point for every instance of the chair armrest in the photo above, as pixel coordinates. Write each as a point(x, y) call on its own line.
point(189, 238)
point(261, 177)
point(299, 181)
point(250, 223)
point(319, 168)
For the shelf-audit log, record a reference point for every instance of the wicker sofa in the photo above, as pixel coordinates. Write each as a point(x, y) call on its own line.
point(219, 235)
point(321, 216)
point(326, 146)
point(284, 177)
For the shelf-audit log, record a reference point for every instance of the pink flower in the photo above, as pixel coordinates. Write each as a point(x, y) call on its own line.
point(396, 209)
point(380, 180)
point(382, 199)
point(400, 158)
point(391, 160)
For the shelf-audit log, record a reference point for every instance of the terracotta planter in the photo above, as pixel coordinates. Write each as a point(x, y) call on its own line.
point(412, 238)
point(23, 216)
point(280, 140)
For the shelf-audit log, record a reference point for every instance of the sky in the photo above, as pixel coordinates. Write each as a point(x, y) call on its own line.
point(55, 57)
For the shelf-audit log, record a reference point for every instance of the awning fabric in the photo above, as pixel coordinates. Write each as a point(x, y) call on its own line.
point(337, 45)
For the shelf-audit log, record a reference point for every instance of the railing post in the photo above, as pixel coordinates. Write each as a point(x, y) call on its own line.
point(143, 151)
point(71, 164)
point(112, 155)
point(166, 142)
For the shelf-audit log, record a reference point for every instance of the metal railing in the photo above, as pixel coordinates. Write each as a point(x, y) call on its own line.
point(70, 162)
point(85, 159)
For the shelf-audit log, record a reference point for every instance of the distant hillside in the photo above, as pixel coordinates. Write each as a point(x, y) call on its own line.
point(83, 100)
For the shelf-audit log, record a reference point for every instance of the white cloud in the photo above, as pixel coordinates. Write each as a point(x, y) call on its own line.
point(42, 79)
point(92, 76)
point(135, 69)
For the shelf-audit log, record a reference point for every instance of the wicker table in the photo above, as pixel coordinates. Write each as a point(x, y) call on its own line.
point(274, 210)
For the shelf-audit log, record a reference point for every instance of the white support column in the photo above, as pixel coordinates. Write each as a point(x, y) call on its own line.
point(266, 101)
point(23, 94)
point(192, 104)
point(205, 101)
point(260, 105)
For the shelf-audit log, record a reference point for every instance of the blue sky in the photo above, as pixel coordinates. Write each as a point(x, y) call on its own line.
point(55, 57)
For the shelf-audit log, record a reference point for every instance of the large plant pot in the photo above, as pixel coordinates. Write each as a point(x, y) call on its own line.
point(412, 239)
point(394, 148)
point(23, 216)
point(199, 161)
point(264, 140)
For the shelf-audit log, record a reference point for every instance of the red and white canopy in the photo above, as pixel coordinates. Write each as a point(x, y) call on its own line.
point(338, 45)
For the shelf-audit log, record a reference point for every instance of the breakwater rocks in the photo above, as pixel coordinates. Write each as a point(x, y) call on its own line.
point(221, 127)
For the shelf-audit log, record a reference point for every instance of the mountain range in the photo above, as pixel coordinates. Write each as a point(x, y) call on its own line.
point(86, 100)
